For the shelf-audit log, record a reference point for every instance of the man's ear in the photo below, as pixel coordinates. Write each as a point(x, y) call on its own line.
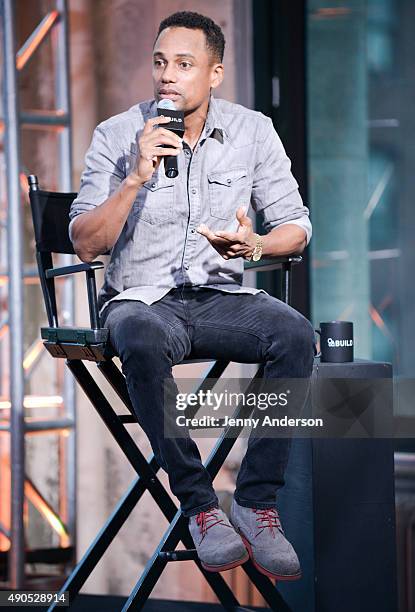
point(217, 75)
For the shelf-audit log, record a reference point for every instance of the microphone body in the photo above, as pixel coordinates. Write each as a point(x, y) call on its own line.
point(167, 108)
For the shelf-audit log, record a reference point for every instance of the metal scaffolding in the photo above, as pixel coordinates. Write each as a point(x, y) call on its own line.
point(15, 275)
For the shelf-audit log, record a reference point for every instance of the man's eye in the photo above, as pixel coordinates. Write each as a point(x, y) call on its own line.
point(158, 63)
point(185, 65)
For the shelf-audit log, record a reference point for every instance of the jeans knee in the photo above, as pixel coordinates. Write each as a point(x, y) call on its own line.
point(304, 336)
point(294, 339)
point(301, 339)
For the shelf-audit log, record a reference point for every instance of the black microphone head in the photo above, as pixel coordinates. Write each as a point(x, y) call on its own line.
point(167, 108)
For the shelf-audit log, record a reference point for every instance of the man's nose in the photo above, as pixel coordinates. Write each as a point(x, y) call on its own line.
point(168, 75)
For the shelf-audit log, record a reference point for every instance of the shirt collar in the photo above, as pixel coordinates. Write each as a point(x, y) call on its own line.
point(214, 125)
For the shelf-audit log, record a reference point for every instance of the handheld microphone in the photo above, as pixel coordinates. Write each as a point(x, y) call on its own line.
point(167, 108)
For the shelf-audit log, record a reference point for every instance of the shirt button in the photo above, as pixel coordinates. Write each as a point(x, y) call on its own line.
point(187, 152)
point(194, 191)
point(186, 267)
point(229, 181)
point(153, 185)
point(193, 231)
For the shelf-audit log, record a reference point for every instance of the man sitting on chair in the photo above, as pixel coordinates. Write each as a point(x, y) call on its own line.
point(173, 286)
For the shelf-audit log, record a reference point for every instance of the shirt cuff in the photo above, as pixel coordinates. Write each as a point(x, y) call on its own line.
point(304, 223)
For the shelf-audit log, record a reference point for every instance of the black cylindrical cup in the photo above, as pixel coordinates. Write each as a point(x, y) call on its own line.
point(336, 341)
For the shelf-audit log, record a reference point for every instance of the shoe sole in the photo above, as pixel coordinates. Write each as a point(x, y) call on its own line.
point(281, 577)
point(226, 566)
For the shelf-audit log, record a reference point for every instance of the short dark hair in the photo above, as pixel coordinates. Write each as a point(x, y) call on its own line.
point(215, 40)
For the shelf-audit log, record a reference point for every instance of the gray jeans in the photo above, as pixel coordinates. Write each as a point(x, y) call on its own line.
point(205, 323)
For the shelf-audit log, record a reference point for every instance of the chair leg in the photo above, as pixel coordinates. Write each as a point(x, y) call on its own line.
point(97, 548)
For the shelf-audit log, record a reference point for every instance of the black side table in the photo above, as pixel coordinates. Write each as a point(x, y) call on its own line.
point(338, 510)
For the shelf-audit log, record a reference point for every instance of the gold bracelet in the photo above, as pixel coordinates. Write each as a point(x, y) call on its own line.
point(257, 252)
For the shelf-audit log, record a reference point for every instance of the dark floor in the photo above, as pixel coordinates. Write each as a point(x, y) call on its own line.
point(108, 603)
point(102, 603)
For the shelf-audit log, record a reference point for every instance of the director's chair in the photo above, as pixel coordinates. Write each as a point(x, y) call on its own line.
point(50, 211)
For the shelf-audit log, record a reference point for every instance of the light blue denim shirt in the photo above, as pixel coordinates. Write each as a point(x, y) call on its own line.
point(239, 160)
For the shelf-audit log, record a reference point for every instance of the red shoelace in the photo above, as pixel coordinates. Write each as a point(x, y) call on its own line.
point(267, 518)
point(208, 519)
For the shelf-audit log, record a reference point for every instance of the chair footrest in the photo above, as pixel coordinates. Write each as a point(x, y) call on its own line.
point(178, 555)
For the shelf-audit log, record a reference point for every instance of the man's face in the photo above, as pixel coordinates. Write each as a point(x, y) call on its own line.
point(183, 68)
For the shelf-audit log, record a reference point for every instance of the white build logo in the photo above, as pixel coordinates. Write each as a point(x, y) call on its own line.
point(337, 343)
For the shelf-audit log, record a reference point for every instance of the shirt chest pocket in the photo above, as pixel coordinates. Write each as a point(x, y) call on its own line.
point(155, 201)
point(228, 189)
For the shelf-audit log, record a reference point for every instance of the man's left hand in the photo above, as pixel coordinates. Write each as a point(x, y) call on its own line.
point(232, 244)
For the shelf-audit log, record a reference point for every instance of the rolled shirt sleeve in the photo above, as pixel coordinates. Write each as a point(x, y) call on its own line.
point(275, 192)
point(102, 175)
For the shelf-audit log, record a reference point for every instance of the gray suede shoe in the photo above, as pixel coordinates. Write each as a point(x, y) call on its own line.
point(218, 545)
point(262, 533)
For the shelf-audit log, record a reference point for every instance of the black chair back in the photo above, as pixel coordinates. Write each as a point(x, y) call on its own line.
point(50, 213)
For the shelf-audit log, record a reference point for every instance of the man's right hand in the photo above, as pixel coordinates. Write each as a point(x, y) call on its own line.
point(149, 150)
